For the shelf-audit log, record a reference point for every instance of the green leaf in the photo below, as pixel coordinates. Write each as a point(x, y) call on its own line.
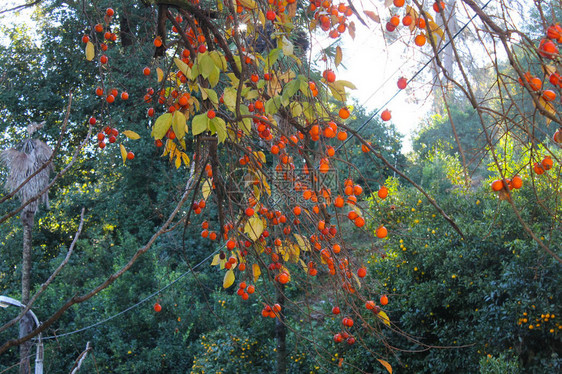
point(219, 60)
point(228, 279)
point(296, 109)
point(199, 124)
point(183, 67)
point(214, 76)
point(218, 125)
point(291, 88)
point(272, 105)
point(252, 94)
point(162, 125)
point(287, 46)
point(178, 124)
point(272, 58)
point(229, 97)
point(206, 64)
point(210, 94)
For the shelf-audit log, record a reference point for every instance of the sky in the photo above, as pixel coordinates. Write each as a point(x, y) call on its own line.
point(375, 66)
point(369, 62)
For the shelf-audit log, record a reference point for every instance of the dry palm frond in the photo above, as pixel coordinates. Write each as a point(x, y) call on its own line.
point(23, 161)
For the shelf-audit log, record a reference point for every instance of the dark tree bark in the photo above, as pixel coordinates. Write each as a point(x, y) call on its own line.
point(161, 29)
point(26, 323)
point(125, 30)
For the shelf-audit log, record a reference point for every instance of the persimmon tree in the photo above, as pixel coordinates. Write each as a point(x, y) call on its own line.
point(235, 101)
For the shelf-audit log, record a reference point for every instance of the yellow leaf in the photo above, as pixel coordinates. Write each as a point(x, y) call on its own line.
point(372, 15)
point(185, 158)
point(131, 134)
point(435, 29)
point(548, 107)
point(90, 51)
point(228, 279)
point(254, 228)
point(295, 252)
point(178, 160)
point(339, 56)
point(352, 30)
point(343, 83)
point(172, 149)
point(256, 271)
point(248, 4)
point(206, 189)
point(178, 124)
point(303, 243)
point(356, 280)
point(162, 125)
point(384, 317)
point(304, 266)
point(386, 365)
point(216, 260)
point(123, 153)
point(549, 69)
point(160, 74)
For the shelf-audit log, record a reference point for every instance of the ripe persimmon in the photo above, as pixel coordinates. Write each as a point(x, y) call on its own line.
point(497, 185)
point(384, 300)
point(382, 192)
point(381, 232)
point(547, 163)
point(517, 182)
point(438, 6)
point(420, 40)
point(385, 115)
point(557, 137)
point(344, 113)
point(549, 95)
point(538, 168)
point(548, 49)
point(407, 20)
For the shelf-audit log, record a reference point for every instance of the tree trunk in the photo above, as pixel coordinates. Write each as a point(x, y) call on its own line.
point(281, 333)
point(125, 30)
point(26, 323)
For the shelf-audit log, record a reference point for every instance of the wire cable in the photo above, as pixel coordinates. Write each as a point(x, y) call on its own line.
point(134, 305)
